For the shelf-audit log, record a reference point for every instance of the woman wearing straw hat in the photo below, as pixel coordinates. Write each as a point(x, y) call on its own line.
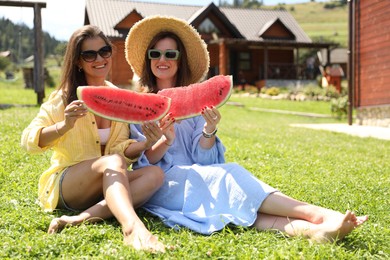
point(201, 191)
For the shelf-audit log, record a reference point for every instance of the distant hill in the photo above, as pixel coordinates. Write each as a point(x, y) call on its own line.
point(19, 39)
point(321, 20)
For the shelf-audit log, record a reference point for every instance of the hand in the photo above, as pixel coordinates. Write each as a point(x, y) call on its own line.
point(167, 125)
point(152, 132)
point(75, 110)
point(212, 117)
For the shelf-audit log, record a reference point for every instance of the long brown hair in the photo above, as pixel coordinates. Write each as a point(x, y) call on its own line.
point(148, 79)
point(72, 76)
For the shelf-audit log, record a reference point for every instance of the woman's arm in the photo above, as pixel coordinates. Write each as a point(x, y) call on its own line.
point(212, 117)
point(72, 112)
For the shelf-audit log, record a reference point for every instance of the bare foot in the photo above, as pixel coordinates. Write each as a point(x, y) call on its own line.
point(322, 215)
point(57, 224)
point(141, 239)
point(360, 220)
point(337, 227)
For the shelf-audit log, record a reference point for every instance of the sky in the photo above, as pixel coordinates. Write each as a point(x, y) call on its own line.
point(61, 18)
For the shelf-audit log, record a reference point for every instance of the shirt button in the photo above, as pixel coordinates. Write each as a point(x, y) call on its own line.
point(97, 142)
point(93, 123)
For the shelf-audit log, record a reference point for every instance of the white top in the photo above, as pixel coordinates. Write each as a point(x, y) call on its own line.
point(104, 134)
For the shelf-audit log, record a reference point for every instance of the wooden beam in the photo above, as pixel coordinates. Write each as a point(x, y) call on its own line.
point(38, 79)
point(39, 75)
point(222, 58)
point(22, 3)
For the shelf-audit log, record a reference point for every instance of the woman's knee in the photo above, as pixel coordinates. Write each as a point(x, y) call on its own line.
point(160, 176)
point(155, 175)
point(114, 161)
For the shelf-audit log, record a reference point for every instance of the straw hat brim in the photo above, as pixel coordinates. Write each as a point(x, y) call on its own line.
point(143, 32)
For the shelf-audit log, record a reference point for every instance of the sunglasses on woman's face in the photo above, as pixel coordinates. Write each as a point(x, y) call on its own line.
point(155, 54)
point(90, 55)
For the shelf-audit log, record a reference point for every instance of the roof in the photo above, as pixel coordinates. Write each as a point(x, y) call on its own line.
point(251, 22)
point(5, 53)
point(248, 22)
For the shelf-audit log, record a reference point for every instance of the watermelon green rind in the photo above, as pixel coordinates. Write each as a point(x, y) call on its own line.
point(187, 102)
point(124, 105)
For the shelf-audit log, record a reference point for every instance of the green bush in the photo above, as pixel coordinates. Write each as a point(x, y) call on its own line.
point(339, 106)
point(332, 92)
point(272, 91)
point(4, 62)
point(49, 80)
point(313, 91)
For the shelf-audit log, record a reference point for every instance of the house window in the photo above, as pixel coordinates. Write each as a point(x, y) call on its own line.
point(244, 61)
point(207, 26)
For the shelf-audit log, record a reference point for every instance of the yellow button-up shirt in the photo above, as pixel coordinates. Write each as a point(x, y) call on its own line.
point(79, 144)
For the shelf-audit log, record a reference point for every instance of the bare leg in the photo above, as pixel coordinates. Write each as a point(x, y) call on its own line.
point(97, 212)
point(295, 218)
point(143, 184)
point(109, 172)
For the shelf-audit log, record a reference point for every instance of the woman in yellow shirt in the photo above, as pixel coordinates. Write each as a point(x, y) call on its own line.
point(91, 154)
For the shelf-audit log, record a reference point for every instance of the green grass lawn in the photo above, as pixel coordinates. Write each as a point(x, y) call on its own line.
point(318, 22)
point(334, 170)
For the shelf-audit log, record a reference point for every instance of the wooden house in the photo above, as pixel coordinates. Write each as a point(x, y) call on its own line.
point(370, 70)
point(258, 45)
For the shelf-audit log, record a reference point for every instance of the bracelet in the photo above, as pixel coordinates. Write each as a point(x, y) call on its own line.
point(57, 130)
point(209, 135)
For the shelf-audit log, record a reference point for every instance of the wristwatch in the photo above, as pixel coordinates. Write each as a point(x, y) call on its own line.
point(209, 135)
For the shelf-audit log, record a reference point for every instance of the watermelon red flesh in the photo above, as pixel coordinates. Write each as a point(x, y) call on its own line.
point(124, 105)
point(189, 101)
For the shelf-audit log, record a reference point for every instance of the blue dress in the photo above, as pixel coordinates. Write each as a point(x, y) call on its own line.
point(201, 191)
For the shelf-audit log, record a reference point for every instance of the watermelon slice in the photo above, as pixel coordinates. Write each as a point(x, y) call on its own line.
point(124, 105)
point(188, 101)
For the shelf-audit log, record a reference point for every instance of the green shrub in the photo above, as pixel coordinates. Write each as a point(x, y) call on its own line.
point(339, 106)
point(332, 92)
point(49, 80)
point(313, 91)
point(272, 91)
point(4, 62)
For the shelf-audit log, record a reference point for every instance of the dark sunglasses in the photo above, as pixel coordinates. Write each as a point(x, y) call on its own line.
point(90, 55)
point(154, 54)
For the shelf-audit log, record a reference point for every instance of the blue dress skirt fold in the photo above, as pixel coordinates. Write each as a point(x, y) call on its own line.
point(201, 191)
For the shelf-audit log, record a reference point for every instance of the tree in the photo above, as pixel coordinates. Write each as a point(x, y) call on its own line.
point(59, 52)
point(4, 62)
point(245, 3)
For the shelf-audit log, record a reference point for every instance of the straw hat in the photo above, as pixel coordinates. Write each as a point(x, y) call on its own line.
point(143, 32)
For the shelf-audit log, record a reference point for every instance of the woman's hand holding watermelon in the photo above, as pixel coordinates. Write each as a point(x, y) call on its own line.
point(72, 112)
point(212, 117)
point(152, 132)
point(166, 133)
point(167, 126)
point(75, 110)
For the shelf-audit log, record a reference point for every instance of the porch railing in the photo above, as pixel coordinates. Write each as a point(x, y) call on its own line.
point(290, 71)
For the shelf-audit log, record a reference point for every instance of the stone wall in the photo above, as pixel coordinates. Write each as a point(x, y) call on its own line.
point(374, 116)
point(289, 83)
